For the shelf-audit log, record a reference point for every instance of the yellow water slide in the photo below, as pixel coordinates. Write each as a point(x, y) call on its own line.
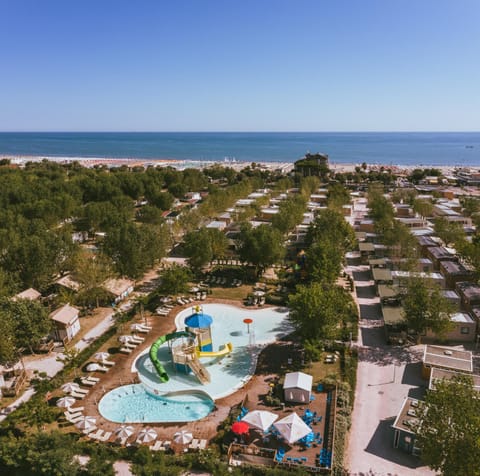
point(227, 348)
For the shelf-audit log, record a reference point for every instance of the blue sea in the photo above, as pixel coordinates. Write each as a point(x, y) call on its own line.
point(402, 148)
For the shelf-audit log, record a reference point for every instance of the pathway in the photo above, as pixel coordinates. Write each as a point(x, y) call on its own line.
point(385, 376)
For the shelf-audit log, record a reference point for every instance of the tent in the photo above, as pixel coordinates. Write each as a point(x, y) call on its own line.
point(260, 419)
point(292, 428)
point(297, 387)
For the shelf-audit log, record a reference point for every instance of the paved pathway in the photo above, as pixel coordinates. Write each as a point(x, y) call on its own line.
point(385, 376)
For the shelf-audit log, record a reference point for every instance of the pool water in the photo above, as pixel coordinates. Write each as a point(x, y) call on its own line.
point(133, 404)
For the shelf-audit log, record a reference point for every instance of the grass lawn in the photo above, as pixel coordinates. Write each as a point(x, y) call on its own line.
point(320, 370)
point(236, 294)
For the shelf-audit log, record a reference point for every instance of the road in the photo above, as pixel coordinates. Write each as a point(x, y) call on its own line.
point(385, 376)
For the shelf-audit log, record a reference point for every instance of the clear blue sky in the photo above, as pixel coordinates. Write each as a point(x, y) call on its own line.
point(239, 65)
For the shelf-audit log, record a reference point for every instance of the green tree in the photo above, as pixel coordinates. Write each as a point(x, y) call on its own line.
point(450, 232)
point(316, 310)
point(30, 321)
point(174, 280)
point(338, 196)
point(261, 246)
point(423, 207)
point(425, 308)
point(324, 262)
point(290, 213)
point(449, 429)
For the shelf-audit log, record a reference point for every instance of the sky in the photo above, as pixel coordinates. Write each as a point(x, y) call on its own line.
point(239, 65)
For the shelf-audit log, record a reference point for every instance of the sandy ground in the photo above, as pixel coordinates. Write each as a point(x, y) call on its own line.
point(385, 376)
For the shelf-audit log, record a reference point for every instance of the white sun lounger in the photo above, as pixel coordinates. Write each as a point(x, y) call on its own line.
point(76, 409)
point(96, 435)
point(78, 395)
point(109, 363)
point(88, 383)
point(126, 350)
point(79, 417)
point(106, 436)
point(202, 444)
point(89, 430)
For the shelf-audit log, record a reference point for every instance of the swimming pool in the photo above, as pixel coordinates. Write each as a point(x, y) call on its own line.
point(183, 398)
point(133, 404)
point(231, 372)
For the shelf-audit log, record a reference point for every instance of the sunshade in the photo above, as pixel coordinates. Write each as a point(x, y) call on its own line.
point(240, 427)
point(93, 367)
point(260, 419)
point(125, 339)
point(183, 437)
point(124, 431)
point(292, 428)
point(70, 387)
point(65, 402)
point(101, 356)
point(86, 422)
point(147, 435)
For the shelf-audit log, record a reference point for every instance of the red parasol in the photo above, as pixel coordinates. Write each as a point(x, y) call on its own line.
point(240, 427)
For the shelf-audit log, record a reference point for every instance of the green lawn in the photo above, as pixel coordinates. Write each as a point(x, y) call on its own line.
point(320, 370)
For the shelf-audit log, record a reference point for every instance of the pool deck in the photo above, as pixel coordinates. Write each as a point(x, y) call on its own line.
point(121, 374)
point(274, 360)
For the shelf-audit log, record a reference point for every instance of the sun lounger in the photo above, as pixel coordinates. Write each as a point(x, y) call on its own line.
point(106, 436)
point(89, 430)
point(130, 345)
point(122, 441)
point(72, 414)
point(88, 383)
point(76, 409)
point(157, 446)
point(108, 363)
point(126, 350)
point(74, 419)
point(102, 369)
point(82, 390)
point(194, 444)
point(96, 435)
point(202, 444)
point(134, 339)
point(78, 395)
point(93, 379)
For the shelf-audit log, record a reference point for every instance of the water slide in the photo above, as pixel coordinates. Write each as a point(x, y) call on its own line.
point(227, 348)
point(162, 373)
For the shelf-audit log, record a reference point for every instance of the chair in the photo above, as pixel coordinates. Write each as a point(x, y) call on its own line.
point(93, 379)
point(87, 382)
point(78, 395)
point(157, 446)
point(202, 444)
point(76, 410)
point(89, 430)
point(108, 363)
point(194, 444)
point(126, 350)
point(122, 441)
point(96, 435)
point(105, 437)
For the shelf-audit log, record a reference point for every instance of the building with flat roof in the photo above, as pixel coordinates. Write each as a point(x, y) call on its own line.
point(446, 358)
point(454, 273)
point(469, 294)
point(464, 329)
point(405, 425)
point(442, 374)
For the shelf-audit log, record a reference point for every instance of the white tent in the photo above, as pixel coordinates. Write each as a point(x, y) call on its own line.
point(260, 419)
point(292, 428)
point(297, 387)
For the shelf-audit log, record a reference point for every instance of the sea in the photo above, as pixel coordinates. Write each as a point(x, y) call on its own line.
point(388, 148)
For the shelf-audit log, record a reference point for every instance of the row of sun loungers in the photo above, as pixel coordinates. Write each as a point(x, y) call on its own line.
point(222, 280)
point(131, 345)
point(100, 435)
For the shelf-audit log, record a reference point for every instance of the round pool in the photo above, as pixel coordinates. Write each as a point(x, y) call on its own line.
point(133, 404)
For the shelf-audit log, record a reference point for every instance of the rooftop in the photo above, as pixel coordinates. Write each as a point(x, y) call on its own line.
point(29, 293)
point(407, 418)
point(381, 274)
point(393, 315)
point(448, 357)
point(117, 286)
point(65, 314)
point(442, 374)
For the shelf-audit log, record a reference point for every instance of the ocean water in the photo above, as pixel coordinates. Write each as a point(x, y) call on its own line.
point(403, 148)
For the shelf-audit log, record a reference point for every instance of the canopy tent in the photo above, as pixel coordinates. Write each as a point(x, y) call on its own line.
point(183, 437)
point(260, 419)
point(297, 387)
point(292, 428)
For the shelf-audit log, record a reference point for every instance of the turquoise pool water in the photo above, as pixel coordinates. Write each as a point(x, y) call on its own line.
point(133, 404)
point(183, 398)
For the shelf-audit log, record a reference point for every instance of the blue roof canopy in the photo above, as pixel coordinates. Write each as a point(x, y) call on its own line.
point(198, 320)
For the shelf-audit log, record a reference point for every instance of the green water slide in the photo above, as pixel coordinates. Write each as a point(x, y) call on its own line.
point(162, 373)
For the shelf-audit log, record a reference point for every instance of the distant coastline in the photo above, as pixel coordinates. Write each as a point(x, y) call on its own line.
point(390, 149)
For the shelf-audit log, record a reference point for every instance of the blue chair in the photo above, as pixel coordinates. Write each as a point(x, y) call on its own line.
point(320, 387)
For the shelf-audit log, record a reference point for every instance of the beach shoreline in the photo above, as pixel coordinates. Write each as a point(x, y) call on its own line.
point(337, 167)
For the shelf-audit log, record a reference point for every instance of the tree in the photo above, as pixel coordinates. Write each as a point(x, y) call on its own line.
point(426, 308)
point(29, 319)
point(450, 232)
point(423, 207)
point(261, 246)
point(449, 429)
point(338, 196)
point(324, 262)
point(204, 245)
point(290, 213)
point(316, 310)
point(174, 280)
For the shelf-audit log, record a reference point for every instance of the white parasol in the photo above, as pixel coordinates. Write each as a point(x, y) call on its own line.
point(183, 437)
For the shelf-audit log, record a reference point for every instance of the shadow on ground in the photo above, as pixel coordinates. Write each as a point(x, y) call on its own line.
point(381, 445)
point(371, 311)
point(390, 355)
point(365, 292)
point(362, 275)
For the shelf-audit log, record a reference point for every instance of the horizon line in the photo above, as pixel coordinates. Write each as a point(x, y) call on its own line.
point(238, 132)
